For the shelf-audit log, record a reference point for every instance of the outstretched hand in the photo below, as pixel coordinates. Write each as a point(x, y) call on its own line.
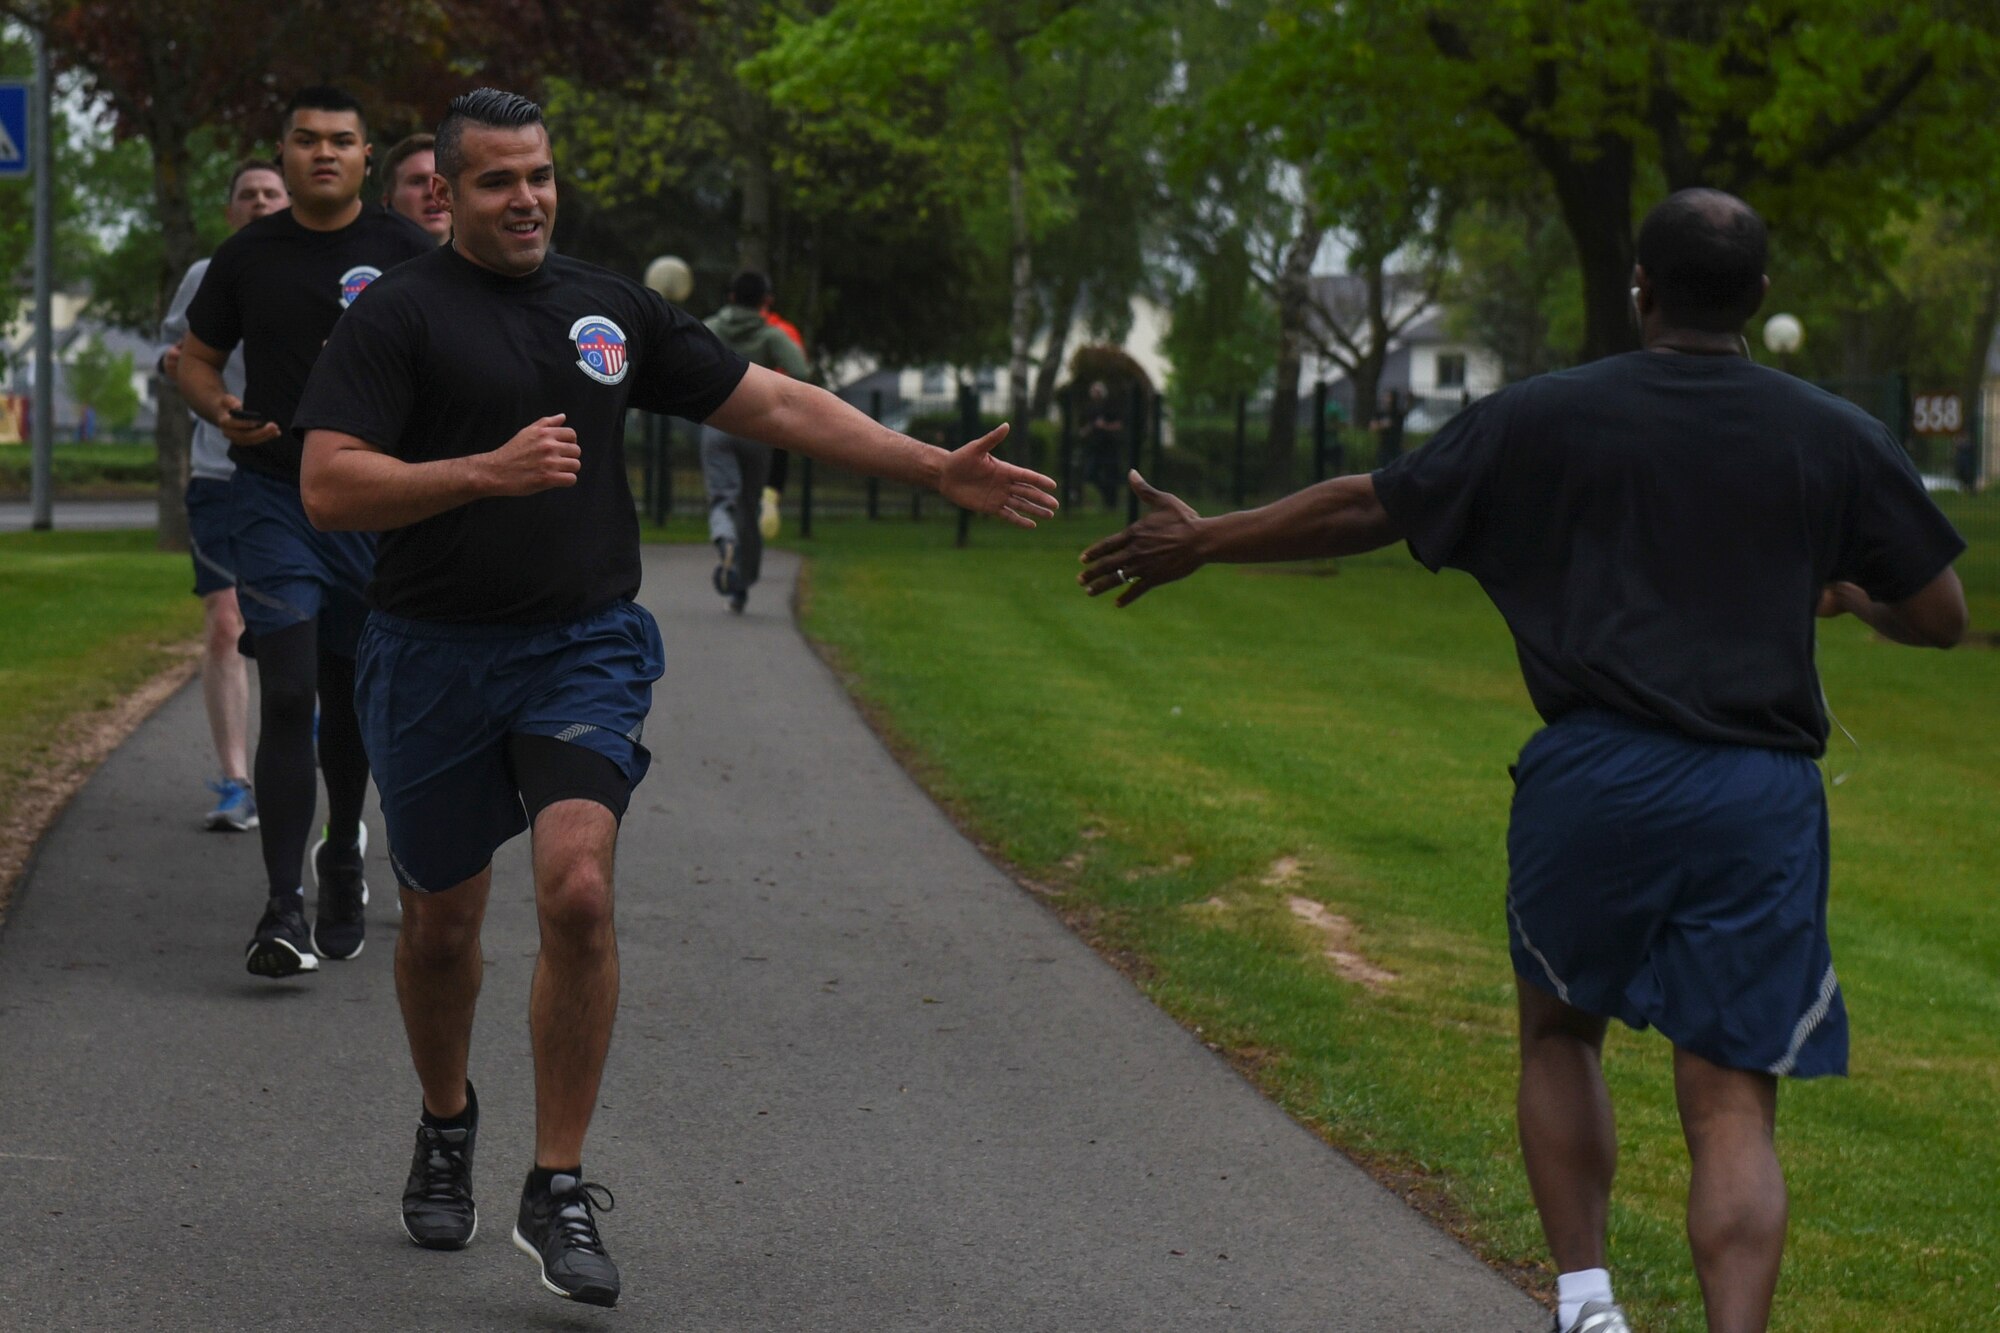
point(1161, 547)
point(972, 478)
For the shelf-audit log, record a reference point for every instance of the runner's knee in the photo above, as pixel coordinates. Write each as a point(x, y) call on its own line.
point(441, 928)
point(225, 623)
point(574, 898)
point(1546, 1018)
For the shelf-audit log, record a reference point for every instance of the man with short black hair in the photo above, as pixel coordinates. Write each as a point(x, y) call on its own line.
point(406, 185)
point(472, 411)
point(277, 288)
point(1659, 530)
point(256, 189)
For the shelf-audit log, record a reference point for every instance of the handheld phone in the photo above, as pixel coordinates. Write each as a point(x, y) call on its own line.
point(248, 418)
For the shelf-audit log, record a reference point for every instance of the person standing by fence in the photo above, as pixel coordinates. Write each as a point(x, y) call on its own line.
point(735, 469)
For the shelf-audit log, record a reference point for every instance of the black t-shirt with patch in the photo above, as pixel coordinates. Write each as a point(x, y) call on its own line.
point(278, 288)
point(446, 359)
point(1656, 528)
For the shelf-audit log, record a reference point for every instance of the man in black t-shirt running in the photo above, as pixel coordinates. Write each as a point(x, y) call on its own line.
point(472, 411)
point(278, 287)
point(1659, 530)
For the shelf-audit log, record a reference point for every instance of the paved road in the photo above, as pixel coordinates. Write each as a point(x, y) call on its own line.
point(77, 515)
point(861, 1081)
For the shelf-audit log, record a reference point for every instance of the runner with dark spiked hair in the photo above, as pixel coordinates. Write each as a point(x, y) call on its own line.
point(472, 411)
point(278, 287)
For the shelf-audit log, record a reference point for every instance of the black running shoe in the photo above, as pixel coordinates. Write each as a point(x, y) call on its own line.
point(340, 925)
point(282, 946)
point(438, 1213)
point(558, 1229)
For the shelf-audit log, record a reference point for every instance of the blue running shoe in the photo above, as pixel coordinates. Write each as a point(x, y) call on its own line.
point(235, 807)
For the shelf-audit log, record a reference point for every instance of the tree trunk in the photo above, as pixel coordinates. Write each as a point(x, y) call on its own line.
point(1021, 318)
point(1972, 390)
point(180, 246)
point(753, 221)
point(1069, 303)
point(1596, 198)
point(1294, 304)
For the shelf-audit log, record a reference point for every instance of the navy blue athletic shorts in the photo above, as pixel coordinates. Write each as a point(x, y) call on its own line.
point(1678, 884)
point(437, 703)
point(211, 534)
point(289, 572)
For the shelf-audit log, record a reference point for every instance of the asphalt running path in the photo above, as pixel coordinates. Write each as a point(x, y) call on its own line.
point(861, 1080)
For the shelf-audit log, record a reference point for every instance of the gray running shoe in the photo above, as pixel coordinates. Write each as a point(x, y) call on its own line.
point(1598, 1317)
point(558, 1230)
point(728, 578)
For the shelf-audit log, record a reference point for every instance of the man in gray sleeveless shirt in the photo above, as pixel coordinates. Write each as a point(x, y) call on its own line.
point(255, 189)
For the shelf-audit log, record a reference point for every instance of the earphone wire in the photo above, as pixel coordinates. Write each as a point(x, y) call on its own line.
point(1835, 779)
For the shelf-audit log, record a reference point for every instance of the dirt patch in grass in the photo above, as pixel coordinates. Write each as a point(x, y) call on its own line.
point(79, 747)
point(1336, 933)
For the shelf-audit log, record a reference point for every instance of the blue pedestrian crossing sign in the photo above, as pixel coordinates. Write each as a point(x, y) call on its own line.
point(14, 128)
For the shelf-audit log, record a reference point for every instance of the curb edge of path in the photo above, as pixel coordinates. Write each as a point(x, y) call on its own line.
point(47, 788)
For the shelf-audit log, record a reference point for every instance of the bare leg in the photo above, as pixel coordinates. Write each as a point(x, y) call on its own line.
point(1736, 1197)
point(438, 969)
point(575, 996)
point(1568, 1140)
point(225, 684)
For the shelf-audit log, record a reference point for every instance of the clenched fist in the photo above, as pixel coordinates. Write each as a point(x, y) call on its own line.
point(542, 457)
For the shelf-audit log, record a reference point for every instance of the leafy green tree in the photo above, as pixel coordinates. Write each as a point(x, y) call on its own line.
point(102, 380)
point(866, 245)
point(980, 91)
point(1830, 115)
point(1288, 134)
point(1512, 286)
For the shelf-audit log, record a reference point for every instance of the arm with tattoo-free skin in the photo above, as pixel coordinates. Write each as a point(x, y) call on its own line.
point(1932, 617)
point(792, 415)
point(1170, 542)
point(199, 374)
point(349, 485)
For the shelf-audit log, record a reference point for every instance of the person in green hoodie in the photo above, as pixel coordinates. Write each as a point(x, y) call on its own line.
point(734, 469)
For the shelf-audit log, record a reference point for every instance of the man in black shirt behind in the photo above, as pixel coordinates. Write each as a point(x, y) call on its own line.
point(278, 286)
point(472, 411)
point(1659, 530)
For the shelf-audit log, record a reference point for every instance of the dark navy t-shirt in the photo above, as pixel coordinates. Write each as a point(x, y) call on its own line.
point(446, 359)
point(278, 288)
point(1656, 529)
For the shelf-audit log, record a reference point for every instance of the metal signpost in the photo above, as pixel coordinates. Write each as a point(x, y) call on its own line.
point(24, 152)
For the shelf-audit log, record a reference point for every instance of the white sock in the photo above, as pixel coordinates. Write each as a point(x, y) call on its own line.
point(1575, 1290)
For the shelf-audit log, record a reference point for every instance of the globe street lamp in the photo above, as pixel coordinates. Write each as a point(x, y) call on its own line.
point(1784, 335)
point(671, 277)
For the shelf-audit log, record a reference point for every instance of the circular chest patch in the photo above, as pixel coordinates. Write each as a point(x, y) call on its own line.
point(600, 348)
point(355, 281)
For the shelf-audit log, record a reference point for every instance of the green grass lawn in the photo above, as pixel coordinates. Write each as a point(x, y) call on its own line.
point(84, 618)
point(1164, 767)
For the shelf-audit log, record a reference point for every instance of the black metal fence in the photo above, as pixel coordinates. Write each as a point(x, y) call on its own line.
point(1217, 454)
point(1213, 454)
